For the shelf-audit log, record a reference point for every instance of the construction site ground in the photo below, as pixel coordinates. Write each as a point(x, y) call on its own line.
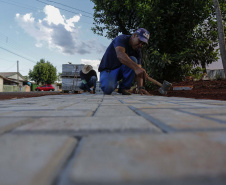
point(202, 89)
point(96, 139)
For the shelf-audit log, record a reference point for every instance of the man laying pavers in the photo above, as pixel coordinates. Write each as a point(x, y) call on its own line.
point(122, 61)
point(89, 79)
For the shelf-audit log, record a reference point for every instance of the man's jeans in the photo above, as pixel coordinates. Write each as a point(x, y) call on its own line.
point(90, 83)
point(109, 78)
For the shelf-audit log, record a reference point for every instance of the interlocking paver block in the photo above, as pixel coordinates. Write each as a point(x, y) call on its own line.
point(53, 113)
point(7, 124)
point(213, 111)
point(33, 159)
point(82, 106)
point(90, 124)
point(114, 110)
point(151, 159)
point(180, 120)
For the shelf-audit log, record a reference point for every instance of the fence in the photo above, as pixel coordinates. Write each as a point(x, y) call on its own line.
point(14, 88)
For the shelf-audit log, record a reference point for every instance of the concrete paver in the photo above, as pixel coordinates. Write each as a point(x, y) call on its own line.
point(47, 113)
point(153, 159)
point(7, 124)
point(119, 110)
point(89, 125)
point(99, 139)
point(181, 120)
point(33, 159)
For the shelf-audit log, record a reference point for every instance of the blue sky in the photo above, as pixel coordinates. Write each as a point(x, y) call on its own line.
point(58, 31)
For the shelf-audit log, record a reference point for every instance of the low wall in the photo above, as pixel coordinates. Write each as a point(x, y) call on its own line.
point(1, 84)
point(215, 73)
point(14, 88)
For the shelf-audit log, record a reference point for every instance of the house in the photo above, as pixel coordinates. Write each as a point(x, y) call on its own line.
point(12, 75)
point(9, 82)
point(215, 69)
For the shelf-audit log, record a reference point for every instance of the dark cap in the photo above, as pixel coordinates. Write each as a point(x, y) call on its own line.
point(143, 35)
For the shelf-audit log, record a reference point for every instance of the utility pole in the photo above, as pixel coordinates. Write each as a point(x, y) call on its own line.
point(221, 34)
point(18, 74)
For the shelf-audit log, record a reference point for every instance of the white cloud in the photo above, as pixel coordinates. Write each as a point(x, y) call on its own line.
point(57, 32)
point(53, 15)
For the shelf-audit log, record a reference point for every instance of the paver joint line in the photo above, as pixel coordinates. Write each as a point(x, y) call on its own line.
point(202, 116)
point(165, 128)
point(63, 178)
point(94, 112)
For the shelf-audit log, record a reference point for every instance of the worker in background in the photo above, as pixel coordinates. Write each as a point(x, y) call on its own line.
point(122, 61)
point(89, 79)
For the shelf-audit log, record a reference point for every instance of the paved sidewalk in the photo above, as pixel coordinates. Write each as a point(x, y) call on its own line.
point(107, 140)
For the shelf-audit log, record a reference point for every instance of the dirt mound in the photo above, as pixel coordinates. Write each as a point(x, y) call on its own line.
point(202, 89)
point(15, 95)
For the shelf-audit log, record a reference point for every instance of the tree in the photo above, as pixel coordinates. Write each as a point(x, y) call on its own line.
point(59, 77)
point(177, 36)
point(43, 72)
point(221, 34)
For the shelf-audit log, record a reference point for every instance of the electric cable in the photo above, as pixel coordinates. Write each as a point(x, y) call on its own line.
point(10, 67)
point(17, 54)
point(64, 9)
point(18, 5)
point(6, 60)
point(69, 7)
point(8, 45)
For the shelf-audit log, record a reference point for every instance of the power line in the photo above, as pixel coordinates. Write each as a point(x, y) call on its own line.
point(17, 54)
point(6, 60)
point(10, 44)
point(18, 5)
point(10, 67)
point(33, 8)
point(69, 7)
point(64, 9)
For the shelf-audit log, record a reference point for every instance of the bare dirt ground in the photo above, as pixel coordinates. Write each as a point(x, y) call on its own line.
point(208, 89)
point(16, 95)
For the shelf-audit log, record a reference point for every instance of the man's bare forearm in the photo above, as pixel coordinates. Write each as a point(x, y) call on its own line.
point(124, 59)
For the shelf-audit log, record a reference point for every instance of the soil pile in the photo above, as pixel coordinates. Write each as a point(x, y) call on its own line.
point(202, 89)
point(16, 95)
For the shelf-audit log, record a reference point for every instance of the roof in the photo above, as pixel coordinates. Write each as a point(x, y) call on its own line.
point(8, 80)
point(9, 74)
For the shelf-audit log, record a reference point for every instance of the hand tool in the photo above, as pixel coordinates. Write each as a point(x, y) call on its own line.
point(163, 87)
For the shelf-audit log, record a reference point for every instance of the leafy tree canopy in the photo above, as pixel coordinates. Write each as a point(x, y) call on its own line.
point(181, 31)
point(43, 72)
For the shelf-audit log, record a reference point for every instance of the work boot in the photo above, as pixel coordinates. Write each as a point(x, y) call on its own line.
point(123, 91)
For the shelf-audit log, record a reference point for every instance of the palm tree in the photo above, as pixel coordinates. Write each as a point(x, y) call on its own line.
point(220, 34)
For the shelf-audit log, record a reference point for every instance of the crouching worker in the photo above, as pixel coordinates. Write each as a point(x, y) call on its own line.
point(89, 79)
point(122, 61)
